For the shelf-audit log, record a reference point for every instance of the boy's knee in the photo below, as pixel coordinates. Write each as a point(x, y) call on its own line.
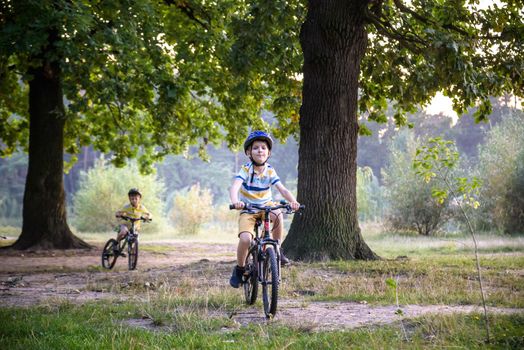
point(275, 215)
point(244, 237)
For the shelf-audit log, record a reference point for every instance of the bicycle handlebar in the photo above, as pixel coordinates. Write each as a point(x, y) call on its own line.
point(128, 218)
point(283, 205)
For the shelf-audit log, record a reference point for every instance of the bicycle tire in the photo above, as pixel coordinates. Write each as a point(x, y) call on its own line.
point(270, 282)
point(108, 254)
point(251, 282)
point(132, 254)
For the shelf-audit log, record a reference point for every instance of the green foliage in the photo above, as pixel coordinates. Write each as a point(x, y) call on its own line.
point(141, 79)
point(514, 222)
point(436, 161)
point(103, 191)
point(12, 181)
point(369, 195)
point(424, 47)
point(191, 209)
point(411, 205)
point(500, 169)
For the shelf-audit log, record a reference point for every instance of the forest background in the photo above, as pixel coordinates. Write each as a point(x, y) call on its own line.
point(189, 192)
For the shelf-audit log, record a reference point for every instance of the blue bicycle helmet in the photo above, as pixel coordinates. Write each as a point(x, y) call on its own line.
point(258, 135)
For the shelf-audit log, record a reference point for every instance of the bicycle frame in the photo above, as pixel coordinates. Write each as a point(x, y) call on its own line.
point(261, 243)
point(113, 248)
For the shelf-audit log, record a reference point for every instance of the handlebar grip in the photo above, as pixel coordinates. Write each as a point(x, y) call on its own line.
point(231, 206)
point(302, 206)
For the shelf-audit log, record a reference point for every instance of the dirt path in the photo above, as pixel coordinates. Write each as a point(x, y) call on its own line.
point(33, 278)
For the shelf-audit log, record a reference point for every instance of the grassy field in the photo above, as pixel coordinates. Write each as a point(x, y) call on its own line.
point(106, 326)
point(190, 309)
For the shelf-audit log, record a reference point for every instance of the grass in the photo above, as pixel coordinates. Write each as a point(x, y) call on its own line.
point(189, 307)
point(439, 280)
point(103, 325)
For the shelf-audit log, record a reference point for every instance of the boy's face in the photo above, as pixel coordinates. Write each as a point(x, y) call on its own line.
point(260, 151)
point(134, 199)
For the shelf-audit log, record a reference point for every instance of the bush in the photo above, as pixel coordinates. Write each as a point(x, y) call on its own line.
point(410, 202)
point(514, 219)
point(500, 170)
point(226, 218)
point(103, 190)
point(191, 209)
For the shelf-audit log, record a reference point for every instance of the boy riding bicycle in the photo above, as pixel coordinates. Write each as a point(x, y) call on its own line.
point(133, 210)
point(253, 183)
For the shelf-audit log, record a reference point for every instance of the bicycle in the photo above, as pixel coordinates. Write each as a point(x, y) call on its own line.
point(263, 261)
point(113, 249)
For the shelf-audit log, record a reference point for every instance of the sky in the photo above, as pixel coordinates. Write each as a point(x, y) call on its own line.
point(441, 104)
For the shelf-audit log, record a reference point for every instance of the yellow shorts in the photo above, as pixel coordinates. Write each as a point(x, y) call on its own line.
point(246, 221)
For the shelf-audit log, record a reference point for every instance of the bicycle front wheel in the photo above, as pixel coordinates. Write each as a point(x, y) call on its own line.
point(132, 254)
point(251, 277)
point(109, 254)
point(270, 282)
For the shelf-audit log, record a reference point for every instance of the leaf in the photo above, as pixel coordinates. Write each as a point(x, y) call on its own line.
point(390, 282)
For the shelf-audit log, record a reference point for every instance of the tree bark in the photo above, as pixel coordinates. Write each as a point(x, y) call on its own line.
point(333, 40)
point(44, 213)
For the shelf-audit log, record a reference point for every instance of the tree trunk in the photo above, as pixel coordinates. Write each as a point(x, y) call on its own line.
point(333, 40)
point(44, 214)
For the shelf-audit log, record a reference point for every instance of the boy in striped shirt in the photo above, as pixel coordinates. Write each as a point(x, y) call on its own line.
point(253, 185)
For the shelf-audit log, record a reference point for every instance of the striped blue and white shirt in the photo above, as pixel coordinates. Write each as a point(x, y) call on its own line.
point(256, 188)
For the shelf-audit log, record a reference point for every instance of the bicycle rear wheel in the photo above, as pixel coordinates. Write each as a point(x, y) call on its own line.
point(270, 282)
point(108, 254)
point(132, 254)
point(251, 278)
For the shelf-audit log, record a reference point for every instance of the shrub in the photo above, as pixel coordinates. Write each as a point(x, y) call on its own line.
point(226, 218)
point(499, 169)
point(410, 202)
point(103, 190)
point(514, 218)
point(191, 209)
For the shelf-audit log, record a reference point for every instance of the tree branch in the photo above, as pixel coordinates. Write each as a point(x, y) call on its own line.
point(404, 9)
point(189, 11)
point(385, 28)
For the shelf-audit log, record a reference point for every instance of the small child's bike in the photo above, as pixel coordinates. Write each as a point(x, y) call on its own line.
point(263, 261)
point(113, 249)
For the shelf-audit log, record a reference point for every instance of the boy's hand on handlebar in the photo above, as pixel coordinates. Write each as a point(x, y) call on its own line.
point(237, 205)
point(294, 205)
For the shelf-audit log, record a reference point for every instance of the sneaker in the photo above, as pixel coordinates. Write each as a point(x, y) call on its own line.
point(283, 259)
point(236, 276)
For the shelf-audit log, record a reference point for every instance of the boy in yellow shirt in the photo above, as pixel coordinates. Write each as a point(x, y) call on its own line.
point(133, 210)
